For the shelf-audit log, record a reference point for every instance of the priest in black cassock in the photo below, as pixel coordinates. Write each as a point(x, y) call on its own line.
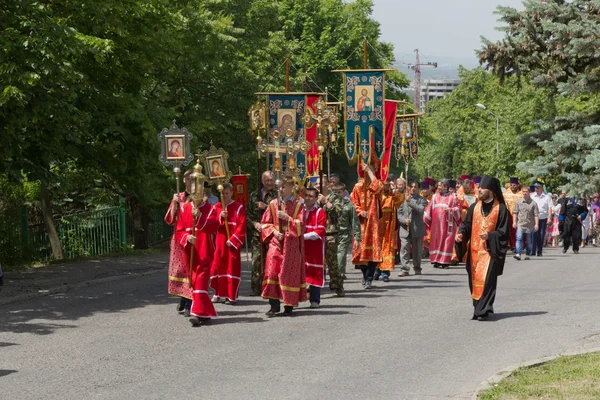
point(484, 236)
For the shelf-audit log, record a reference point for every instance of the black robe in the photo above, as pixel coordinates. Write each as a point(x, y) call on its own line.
point(497, 246)
point(572, 226)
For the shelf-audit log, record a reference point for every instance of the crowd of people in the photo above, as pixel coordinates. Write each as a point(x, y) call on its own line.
point(301, 236)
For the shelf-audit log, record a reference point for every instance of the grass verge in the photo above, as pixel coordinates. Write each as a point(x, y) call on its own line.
point(568, 377)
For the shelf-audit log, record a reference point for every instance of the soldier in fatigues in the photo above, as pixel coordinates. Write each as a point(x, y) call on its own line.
point(349, 228)
point(257, 204)
point(332, 204)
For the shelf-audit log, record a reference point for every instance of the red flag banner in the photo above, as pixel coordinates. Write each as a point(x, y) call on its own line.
point(390, 109)
point(240, 188)
point(312, 157)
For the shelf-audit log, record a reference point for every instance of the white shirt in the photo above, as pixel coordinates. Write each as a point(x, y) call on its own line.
point(544, 202)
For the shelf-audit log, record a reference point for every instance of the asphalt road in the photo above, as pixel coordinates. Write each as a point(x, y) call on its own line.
point(411, 338)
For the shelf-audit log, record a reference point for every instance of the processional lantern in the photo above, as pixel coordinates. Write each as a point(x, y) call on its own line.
point(198, 179)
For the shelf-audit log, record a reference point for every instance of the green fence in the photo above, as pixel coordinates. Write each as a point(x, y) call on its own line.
point(81, 234)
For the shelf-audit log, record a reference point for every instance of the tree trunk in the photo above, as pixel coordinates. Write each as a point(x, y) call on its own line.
point(46, 205)
point(140, 224)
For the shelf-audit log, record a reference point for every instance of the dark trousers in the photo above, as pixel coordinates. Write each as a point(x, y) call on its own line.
point(315, 294)
point(572, 233)
point(368, 271)
point(539, 237)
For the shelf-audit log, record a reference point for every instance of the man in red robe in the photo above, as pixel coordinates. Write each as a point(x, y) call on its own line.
point(441, 217)
point(194, 228)
point(283, 230)
point(366, 197)
point(226, 271)
point(178, 270)
point(315, 221)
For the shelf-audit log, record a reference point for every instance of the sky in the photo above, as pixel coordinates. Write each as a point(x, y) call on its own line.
point(446, 31)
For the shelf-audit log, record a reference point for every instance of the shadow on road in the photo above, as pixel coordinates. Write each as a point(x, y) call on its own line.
point(4, 372)
point(240, 320)
point(516, 314)
point(46, 315)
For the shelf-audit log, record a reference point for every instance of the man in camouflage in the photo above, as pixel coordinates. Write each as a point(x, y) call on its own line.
point(332, 204)
point(257, 204)
point(349, 228)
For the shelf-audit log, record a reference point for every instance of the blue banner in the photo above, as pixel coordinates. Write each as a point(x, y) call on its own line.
point(285, 116)
point(364, 116)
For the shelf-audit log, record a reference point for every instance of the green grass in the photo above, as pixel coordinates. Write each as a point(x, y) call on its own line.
point(568, 378)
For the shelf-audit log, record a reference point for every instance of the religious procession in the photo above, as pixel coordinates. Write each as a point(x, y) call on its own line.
point(303, 221)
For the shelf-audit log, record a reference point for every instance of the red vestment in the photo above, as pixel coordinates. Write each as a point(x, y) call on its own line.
point(370, 246)
point(200, 254)
point(441, 217)
point(285, 272)
point(389, 229)
point(178, 284)
point(226, 268)
point(315, 221)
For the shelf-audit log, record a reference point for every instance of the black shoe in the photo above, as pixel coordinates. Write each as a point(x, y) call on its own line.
point(186, 313)
point(271, 313)
point(444, 266)
point(376, 277)
point(195, 321)
point(564, 251)
point(473, 318)
point(181, 305)
point(454, 263)
point(483, 318)
point(385, 279)
point(576, 251)
point(436, 265)
point(287, 311)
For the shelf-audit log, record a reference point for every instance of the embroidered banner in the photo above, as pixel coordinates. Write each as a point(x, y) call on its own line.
point(364, 116)
point(287, 138)
point(312, 158)
point(406, 138)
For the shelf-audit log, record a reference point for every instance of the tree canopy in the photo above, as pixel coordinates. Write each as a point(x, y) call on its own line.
point(555, 45)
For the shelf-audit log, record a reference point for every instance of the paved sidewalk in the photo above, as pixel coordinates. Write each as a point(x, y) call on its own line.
point(57, 278)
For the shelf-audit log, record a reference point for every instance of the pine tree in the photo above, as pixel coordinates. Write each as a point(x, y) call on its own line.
point(556, 44)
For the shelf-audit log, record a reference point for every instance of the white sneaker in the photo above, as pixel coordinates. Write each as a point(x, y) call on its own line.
point(216, 299)
point(314, 304)
point(527, 258)
point(517, 257)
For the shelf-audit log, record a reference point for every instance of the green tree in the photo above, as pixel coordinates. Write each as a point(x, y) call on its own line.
point(458, 137)
point(555, 44)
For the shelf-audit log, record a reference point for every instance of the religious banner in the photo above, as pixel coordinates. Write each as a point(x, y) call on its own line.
point(406, 138)
point(240, 188)
point(287, 143)
point(364, 117)
point(312, 157)
point(382, 168)
point(390, 123)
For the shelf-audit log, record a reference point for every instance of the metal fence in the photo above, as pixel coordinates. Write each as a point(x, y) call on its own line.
point(81, 234)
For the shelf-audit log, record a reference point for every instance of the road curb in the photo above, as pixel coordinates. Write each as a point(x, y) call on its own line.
point(506, 372)
point(67, 287)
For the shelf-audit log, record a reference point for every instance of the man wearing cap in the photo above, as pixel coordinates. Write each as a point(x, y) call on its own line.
point(512, 194)
point(483, 235)
point(544, 202)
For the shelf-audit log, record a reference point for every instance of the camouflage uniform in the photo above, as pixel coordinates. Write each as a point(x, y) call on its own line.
point(349, 228)
point(255, 215)
point(336, 280)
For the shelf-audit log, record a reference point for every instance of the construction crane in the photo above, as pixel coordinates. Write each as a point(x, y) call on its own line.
point(416, 67)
